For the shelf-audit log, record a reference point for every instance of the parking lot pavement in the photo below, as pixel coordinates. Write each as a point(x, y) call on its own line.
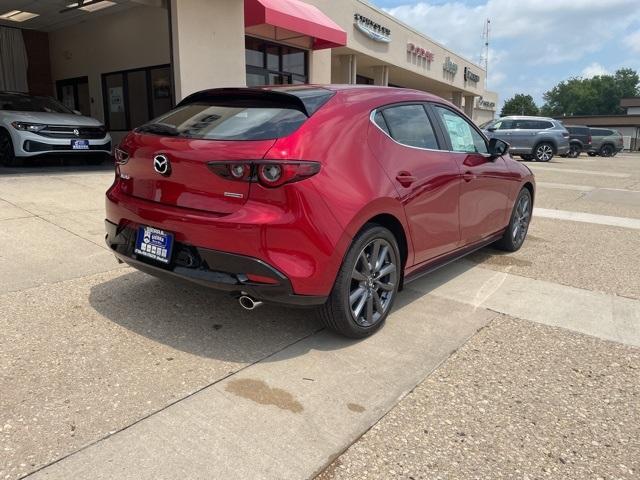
point(520, 400)
point(108, 373)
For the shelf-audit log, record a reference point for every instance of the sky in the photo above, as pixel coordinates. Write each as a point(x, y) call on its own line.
point(534, 44)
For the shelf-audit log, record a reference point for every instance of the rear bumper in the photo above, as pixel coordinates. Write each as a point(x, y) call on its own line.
point(214, 269)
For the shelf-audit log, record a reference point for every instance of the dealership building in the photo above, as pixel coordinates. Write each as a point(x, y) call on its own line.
point(127, 61)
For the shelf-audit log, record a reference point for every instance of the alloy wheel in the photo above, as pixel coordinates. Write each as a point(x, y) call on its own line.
point(544, 153)
point(574, 151)
point(521, 219)
point(606, 151)
point(373, 282)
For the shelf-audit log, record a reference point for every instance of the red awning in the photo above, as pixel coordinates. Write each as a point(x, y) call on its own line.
point(295, 16)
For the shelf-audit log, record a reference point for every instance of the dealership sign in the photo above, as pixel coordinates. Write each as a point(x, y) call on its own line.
point(486, 104)
point(449, 66)
point(420, 52)
point(371, 29)
point(470, 76)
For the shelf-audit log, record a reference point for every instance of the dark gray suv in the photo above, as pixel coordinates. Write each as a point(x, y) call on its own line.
point(532, 138)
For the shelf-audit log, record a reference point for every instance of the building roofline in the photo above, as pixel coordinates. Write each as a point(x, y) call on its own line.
point(409, 27)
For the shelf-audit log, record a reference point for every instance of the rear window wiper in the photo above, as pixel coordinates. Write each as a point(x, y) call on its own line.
point(159, 128)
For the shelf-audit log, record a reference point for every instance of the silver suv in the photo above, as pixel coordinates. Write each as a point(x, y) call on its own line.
point(532, 138)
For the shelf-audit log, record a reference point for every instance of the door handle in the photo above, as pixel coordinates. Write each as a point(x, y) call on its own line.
point(468, 176)
point(405, 178)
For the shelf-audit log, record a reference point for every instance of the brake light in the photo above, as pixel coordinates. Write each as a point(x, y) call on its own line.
point(589, 140)
point(565, 134)
point(121, 157)
point(268, 173)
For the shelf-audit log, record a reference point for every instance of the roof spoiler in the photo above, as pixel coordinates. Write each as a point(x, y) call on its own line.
point(246, 97)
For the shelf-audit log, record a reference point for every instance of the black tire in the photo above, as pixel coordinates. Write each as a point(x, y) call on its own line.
point(518, 227)
point(574, 150)
point(7, 153)
point(527, 158)
point(543, 152)
point(349, 292)
point(606, 150)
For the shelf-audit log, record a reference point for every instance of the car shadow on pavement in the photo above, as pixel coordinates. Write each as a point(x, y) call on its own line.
point(209, 323)
point(57, 166)
point(197, 320)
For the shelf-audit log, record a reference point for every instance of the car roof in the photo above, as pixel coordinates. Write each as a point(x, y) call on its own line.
point(527, 117)
point(346, 88)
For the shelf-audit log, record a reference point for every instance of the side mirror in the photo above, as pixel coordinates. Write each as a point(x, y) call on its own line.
point(498, 147)
point(491, 129)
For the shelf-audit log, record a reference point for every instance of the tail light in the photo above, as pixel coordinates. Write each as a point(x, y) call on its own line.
point(121, 157)
point(589, 139)
point(268, 173)
point(565, 134)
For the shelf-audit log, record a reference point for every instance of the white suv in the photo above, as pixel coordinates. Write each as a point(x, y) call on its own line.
point(32, 126)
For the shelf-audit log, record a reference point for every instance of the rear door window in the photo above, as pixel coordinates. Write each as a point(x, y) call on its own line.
point(410, 125)
point(463, 137)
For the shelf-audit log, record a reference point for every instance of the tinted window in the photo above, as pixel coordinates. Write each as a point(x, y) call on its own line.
point(504, 125)
point(600, 133)
point(379, 119)
point(578, 130)
point(409, 125)
point(532, 124)
point(463, 137)
point(25, 103)
point(212, 122)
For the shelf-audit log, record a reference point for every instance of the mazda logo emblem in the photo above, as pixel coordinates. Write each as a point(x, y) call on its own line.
point(162, 165)
point(76, 132)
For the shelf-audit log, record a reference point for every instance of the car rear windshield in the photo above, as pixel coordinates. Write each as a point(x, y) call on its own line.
point(226, 119)
point(25, 103)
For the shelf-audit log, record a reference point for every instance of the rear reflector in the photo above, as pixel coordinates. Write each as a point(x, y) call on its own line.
point(269, 173)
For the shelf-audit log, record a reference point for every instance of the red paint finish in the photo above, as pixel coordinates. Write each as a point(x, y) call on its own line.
point(443, 201)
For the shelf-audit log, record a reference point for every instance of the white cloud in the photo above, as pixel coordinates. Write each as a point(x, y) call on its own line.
point(633, 41)
point(543, 32)
point(593, 70)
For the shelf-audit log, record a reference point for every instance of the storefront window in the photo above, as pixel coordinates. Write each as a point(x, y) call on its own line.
point(134, 97)
point(272, 64)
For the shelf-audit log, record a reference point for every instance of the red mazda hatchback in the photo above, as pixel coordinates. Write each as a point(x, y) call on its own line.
point(313, 196)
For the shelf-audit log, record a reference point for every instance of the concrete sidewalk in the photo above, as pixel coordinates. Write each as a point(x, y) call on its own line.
point(519, 400)
point(287, 416)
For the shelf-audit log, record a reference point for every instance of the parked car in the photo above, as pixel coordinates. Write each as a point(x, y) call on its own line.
point(333, 197)
point(579, 140)
point(605, 142)
point(33, 126)
point(532, 138)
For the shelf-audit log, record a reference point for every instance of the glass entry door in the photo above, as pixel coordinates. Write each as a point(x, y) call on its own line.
point(74, 94)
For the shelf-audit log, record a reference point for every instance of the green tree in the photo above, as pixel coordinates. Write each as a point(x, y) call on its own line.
point(519, 104)
point(599, 95)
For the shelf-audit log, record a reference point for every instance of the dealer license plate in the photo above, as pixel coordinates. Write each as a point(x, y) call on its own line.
point(79, 144)
point(154, 243)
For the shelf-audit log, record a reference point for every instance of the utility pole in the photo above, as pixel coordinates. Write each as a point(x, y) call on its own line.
point(484, 57)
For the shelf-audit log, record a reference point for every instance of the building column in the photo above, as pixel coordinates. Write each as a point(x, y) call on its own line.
point(468, 105)
point(347, 69)
point(456, 99)
point(207, 41)
point(320, 66)
point(381, 75)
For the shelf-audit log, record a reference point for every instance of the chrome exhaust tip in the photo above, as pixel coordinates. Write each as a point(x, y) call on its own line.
point(248, 303)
